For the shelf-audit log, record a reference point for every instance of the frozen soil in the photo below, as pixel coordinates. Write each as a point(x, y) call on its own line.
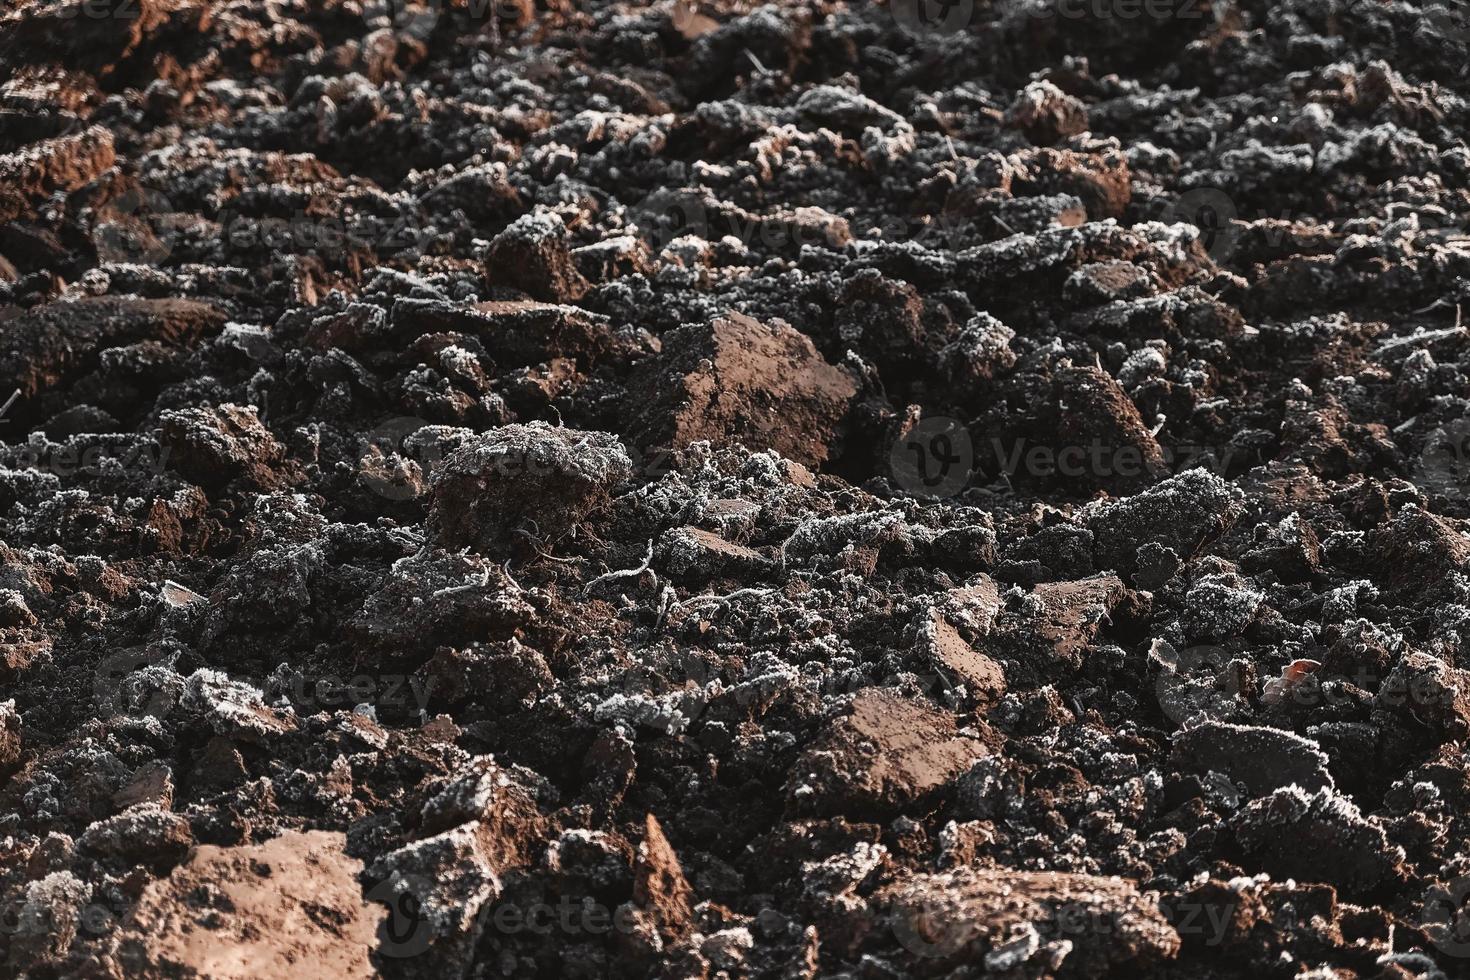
point(481, 495)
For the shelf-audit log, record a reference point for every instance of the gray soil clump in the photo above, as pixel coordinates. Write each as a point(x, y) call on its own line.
point(697, 489)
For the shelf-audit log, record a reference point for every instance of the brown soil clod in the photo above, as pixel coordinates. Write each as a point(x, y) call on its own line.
point(290, 904)
point(762, 385)
point(993, 479)
point(887, 755)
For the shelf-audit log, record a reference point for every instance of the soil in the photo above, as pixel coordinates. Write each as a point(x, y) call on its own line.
point(707, 489)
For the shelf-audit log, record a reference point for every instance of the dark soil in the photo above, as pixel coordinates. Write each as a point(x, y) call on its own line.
point(556, 488)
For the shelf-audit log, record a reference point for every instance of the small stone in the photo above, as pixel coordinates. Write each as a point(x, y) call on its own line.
point(50, 344)
point(1098, 417)
point(14, 611)
point(980, 352)
point(532, 478)
point(1263, 759)
point(64, 163)
point(178, 596)
point(492, 797)
point(450, 877)
point(886, 756)
point(1106, 282)
point(46, 922)
point(1184, 513)
point(532, 255)
point(146, 834)
point(1104, 925)
point(1219, 607)
point(1046, 114)
point(1099, 178)
point(1432, 692)
point(689, 552)
point(525, 333)
point(975, 605)
point(943, 646)
point(737, 380)
point(152, 783)
point(220, 764)
point(1415, 554)
point(1073, 613)
point(234, 709)
point(215, 446)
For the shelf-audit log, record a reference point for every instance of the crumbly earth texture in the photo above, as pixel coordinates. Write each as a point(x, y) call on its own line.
point(580, 489)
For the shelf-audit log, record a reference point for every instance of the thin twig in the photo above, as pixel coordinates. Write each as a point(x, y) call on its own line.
point(704, 600)
point(624, 573)
point(536, 547)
